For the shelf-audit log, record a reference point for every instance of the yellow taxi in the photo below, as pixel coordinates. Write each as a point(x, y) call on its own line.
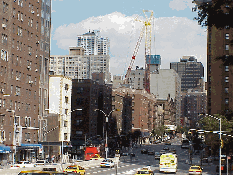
point(195, 170)
point(37, 172)
point(145, 171)
point(96, 157)
point(75, 169)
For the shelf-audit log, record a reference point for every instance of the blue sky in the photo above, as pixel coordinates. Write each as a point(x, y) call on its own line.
point(175, 33)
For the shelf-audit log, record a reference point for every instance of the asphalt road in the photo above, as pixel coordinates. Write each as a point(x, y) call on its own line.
point(129, 166)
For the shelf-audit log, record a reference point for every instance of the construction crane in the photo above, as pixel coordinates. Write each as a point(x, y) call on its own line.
point(147, 30)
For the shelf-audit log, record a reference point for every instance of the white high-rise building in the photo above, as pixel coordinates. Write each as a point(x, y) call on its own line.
point(165, 82)
point(76, 65)
point(93, 44)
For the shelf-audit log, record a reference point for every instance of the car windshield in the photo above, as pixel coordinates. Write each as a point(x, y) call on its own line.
point(143, 172)
point(195, 168)
point(71, 167)
point(106, 161)
point(34, 173)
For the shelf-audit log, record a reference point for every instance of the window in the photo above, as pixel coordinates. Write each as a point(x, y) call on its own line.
point(227, 36)
point(226, 101)
point(66, 86)
point(66, 100)
point(226, 79)
point(226, 68)
point(226, 90)
point(227, 47)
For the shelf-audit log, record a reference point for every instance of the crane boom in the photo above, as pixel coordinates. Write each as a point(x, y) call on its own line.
point(147, 30)
point(126, 81)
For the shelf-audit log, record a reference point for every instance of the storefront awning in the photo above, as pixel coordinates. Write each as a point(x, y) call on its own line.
point(5, 149)
point(31, 145)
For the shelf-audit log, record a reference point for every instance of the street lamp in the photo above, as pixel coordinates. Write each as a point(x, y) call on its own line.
point(106, 116)
point(220, 137)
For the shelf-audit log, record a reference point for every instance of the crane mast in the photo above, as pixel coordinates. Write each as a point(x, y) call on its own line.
point(147, 30)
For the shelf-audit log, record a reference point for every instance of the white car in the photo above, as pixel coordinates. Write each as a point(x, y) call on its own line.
point(23, 164)
point(41, 162)
point(107, 163)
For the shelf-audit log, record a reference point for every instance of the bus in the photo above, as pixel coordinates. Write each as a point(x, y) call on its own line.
point(168, 163)
point(90, 152)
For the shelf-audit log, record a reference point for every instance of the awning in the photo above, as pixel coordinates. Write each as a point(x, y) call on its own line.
point(31, 145)
point(5, 149)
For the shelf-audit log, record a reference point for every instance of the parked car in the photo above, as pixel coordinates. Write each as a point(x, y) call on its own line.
point(150, 152)
point(172, 150)
point(157, 155)
point(22, 164)
point(41, 162)
point(107, 163)
point(144, 151)
point(166, 148)
point(124, 154)
point(162, 152)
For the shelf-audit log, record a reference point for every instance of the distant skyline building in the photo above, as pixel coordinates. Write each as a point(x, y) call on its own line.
point(189, 70)
point(76, 65)
point(93, 43)
point(166, 83)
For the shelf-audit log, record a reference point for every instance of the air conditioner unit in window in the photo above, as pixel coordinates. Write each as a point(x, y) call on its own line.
point(36, 70)
point(2, 90)
point(30, 82)
point(29, 67)
point(32, 11)
point(4, 26)
point(17, 78)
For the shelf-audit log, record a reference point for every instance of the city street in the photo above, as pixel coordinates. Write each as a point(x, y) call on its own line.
point(130, 166)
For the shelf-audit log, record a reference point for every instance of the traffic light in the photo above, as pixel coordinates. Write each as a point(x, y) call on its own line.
point(117, 151)
point(221, 143)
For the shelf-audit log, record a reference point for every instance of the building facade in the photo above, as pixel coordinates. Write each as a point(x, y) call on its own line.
point(91, 97)
point(189, 70)
point(219, 76)
point(136, 78)
point(76, 65)
point(138, 109)
point(166, 83)
point(24, 83)
point(93, 44)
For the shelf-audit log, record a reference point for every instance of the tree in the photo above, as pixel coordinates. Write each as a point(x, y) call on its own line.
point(218, 14)
point(159, 131)
point(211, 139)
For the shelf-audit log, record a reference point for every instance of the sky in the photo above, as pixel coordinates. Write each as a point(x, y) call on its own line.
point(174, 32)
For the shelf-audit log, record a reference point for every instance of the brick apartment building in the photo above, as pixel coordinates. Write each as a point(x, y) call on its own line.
point(219, 76)
point(88, 123)
point(138, 110)
point(24, 75)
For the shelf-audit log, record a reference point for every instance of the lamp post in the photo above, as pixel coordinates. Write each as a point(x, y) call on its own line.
point(106, 135)
point(220, 137)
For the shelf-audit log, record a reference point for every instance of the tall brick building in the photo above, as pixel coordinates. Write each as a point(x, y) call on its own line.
point(25, 51)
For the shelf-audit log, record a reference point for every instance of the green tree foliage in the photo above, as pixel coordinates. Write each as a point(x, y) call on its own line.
point(212, 139)
point(216, 13)
point(159, 131)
